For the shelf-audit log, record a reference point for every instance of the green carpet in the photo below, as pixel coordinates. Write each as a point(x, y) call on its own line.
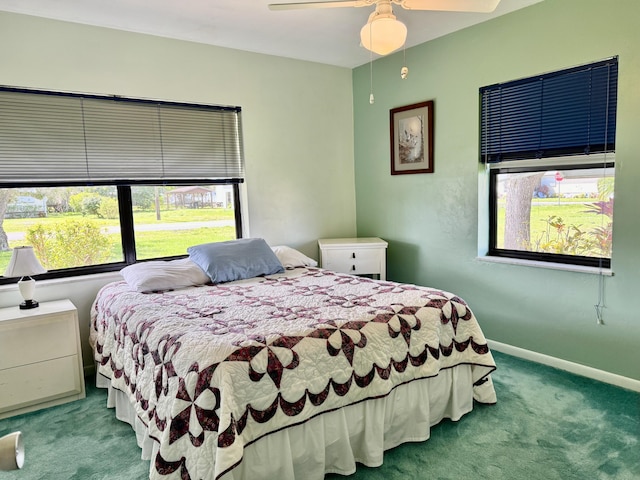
point(547, 425)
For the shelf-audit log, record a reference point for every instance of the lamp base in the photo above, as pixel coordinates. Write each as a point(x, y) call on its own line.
point(27, 304)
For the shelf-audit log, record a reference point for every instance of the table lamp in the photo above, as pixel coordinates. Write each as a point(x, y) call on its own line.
point(23, 264)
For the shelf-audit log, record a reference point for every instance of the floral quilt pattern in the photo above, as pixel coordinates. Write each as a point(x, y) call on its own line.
point(212, 369)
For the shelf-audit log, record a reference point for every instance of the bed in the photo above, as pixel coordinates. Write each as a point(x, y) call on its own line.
point(285, 375)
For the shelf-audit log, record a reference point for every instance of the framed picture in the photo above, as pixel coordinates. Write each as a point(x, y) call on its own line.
point(412, 138)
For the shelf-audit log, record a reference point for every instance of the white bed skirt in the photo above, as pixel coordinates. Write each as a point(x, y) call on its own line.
point(334, 441)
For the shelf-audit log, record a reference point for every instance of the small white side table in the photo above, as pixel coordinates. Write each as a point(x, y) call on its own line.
point(40, 357)
point(358, 256)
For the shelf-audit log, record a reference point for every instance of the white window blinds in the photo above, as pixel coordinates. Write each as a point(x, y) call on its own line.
point(70, 138)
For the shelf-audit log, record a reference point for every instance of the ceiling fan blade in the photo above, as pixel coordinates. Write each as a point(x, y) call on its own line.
point(333, 4)
point(481, 6)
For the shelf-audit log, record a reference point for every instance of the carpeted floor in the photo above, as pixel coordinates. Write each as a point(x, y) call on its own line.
point(547, 425)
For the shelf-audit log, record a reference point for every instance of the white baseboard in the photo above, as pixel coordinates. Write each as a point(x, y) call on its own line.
point(578, 369)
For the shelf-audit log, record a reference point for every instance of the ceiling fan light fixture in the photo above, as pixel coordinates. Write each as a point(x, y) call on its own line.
point(383, 33)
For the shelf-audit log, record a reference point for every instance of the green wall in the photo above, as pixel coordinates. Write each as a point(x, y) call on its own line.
point(432, 220)
point(300, 186)
point(297, 123)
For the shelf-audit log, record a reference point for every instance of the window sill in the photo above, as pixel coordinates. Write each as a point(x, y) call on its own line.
point(552, 266)
point(105, 276)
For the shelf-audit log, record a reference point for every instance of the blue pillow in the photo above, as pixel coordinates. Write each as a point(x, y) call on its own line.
point(235, 259)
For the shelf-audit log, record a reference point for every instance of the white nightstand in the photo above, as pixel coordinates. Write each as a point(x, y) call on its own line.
point(358, 256)
point(40, 357)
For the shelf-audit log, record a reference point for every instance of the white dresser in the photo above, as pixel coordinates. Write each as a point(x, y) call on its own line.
point(40, 357)
point(358, 256)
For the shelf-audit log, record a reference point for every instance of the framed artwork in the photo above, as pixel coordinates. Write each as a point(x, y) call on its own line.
point(412, 138)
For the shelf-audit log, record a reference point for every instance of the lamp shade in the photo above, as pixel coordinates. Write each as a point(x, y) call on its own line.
point(11, 451)
point(383, 33)
point(23, 263)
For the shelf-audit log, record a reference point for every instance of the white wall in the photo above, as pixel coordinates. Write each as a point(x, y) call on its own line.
point(297, 122)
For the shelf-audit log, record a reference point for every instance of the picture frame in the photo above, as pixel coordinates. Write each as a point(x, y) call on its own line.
point(411, 130)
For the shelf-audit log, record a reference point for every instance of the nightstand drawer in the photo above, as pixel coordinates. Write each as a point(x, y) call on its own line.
point(356, 261)
point(35, 340)
point(40, 357)
point(38, 382)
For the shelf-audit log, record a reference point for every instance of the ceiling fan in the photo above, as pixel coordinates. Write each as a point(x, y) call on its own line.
point(383, 33)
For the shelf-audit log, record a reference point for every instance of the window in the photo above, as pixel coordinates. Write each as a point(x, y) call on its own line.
point(186, 215)
point(96, 183)
point(548, 143)
point(82, 229)
point(71, 227)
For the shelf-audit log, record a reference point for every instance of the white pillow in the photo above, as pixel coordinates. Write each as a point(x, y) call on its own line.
point(163, 275)
point(291, 258)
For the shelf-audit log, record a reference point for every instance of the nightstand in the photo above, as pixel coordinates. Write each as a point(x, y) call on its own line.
point(358, 256)
point(40, 357)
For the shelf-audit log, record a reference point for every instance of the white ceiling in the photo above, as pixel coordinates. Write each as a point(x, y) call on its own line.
point(327, 35)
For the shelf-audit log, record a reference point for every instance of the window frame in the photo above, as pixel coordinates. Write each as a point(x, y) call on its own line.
point(127, 229)
point(540, 165)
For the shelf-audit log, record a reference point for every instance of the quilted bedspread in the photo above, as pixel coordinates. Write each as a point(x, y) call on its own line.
point(212, 369)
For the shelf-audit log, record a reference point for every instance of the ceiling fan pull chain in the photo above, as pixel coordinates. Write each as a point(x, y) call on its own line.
point(371, 99)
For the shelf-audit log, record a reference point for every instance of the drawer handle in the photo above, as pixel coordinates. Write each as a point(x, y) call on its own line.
point(353, 267)
point(353, 255)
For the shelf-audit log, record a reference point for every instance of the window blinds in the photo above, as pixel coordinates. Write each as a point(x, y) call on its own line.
point(568, 112)
point(50, 137)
